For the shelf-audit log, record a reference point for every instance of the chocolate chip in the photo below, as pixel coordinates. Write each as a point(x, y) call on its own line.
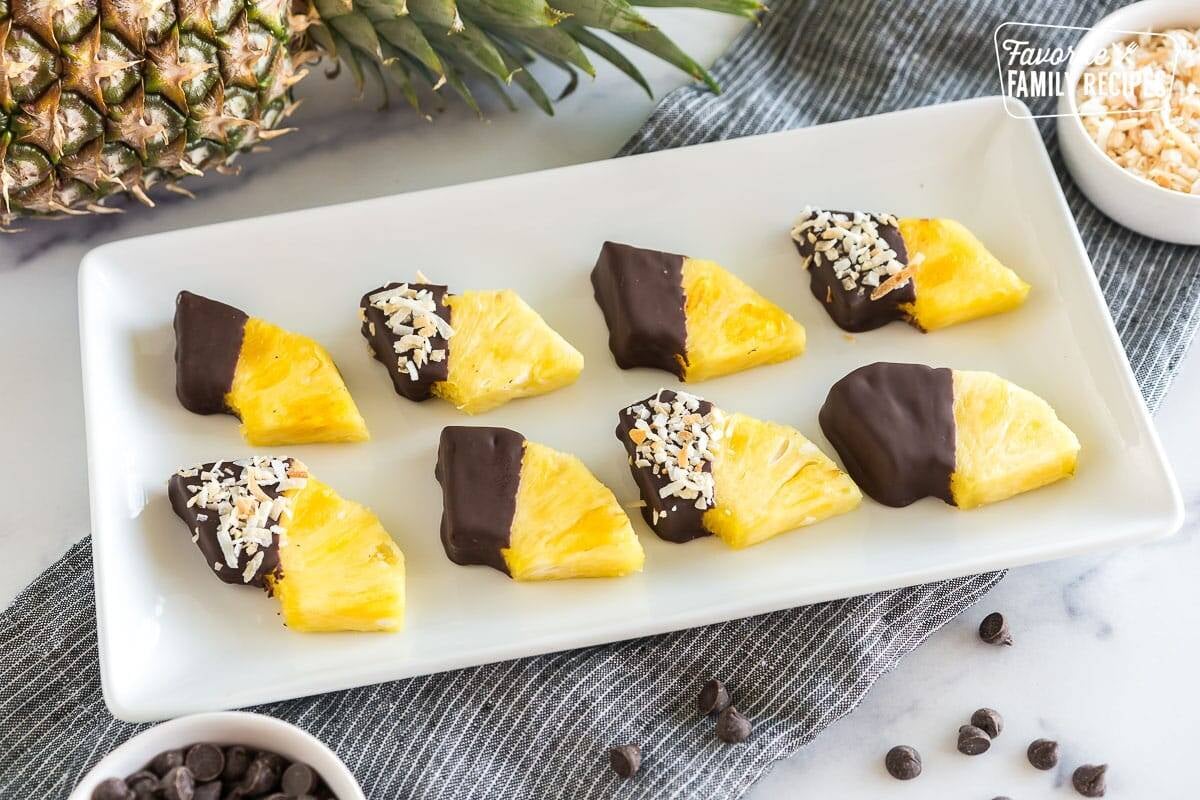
point(903, 762)
point(178, 784)
point(298, 779)
point(208, 791)
point(972, 741)
point(1043, 754)
point(989, 721)
point(237, 759)
point(143, 783)
point(1089, 781)
point(166, 761)
point(206, 761)
point(112, 789)
point(713, 699)
point(732, 727)
point(261, 776)
point(625, 759)
point(1002, 797)
point(994, 629)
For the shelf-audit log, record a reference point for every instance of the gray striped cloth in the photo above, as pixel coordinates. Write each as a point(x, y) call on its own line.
point(540, 727)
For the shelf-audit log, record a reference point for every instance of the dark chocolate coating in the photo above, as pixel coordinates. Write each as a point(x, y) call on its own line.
point(893, 426)
point(640, 293)
point(683, 521)
point(383, 345)
point(177, 490)
point(208, 340)
point(479, 469)
point(854, 310)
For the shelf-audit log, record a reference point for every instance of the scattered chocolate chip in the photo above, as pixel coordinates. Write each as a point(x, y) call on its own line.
point(260, 778)
point(903, 762)
point(732, 726)
point(1043, 754)
point(206, 761)
point(166, 761)
point(208, 791)
point(1089, 781)
point(112, 789)
point(298, 779)
point(989, 721)
point(178, 784)
point(625, 759)
point(972, 740)
point(144, 784)
point(994, 629)
point(237, 759)
point(713, 699)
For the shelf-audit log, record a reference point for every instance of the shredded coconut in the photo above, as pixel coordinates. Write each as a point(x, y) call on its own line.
point(854, 247)
point(674, 440)
point(412, 316)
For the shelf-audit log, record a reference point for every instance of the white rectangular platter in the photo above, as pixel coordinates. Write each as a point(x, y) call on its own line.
point(167, 627)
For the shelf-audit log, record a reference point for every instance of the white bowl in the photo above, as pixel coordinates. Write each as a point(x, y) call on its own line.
point(1134, 202)
point(228, 727)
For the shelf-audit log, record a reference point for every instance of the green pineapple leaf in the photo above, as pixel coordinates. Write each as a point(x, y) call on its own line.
point(358, 31)
point(473, 44)
point(609, 15)
point(606, 51)
point(443, 13)
point(405, 35)
point(552, 44)
point(511, 13)
point(657, 43)
point(750, 9)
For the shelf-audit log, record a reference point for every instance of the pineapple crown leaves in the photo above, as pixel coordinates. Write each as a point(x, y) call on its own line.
point(454, 42)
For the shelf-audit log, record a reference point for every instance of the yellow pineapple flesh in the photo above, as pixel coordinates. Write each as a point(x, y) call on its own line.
point(956, 278)
point(769, 479)
point(567, 523)
point(341, 571)
point(730, 326)
point(287, 390)
point(502, 350)
point(1008, 441)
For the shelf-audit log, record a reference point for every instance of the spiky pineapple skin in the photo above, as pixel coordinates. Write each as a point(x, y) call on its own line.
point(730, 326)
point(1008, 441)
point(770, 479)
point(340, 570)
point(502, 350)
point(567, 523)
point(287, 390)
point(104, 96)
point(957, 279)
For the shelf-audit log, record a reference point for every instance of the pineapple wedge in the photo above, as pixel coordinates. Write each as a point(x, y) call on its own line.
point(871, 269)
point(1008, 441)
point(283, 386)
point(477, 350)
point(264, 522)
point(687, 316)
point(529, 511)
point(746, 480)
point(770, 479)
point(907, 431)
point(956, 278)
point(340, 570)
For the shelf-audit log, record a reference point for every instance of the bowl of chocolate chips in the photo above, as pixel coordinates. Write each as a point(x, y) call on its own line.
point(217, 757)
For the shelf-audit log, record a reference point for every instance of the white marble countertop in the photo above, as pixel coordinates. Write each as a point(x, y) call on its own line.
point(1105, 645)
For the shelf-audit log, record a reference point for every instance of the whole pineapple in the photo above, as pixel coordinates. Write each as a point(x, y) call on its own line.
point(99, 97)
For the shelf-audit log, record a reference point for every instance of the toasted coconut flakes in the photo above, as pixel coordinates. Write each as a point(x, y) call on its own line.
point(852, 245)
point(412, 317)
point(673, 440)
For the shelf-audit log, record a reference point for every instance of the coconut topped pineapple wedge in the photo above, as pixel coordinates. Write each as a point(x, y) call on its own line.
point(529, 511)
point(283, 386)
point(908, 431)
point(701, 471)
point(871, 269)
point(687, 316)
point(477, 350)
point(266, 522)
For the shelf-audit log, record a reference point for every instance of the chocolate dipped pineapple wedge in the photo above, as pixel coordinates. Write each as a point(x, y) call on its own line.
point(701, 471)
point(907, 431)
point(528, 510)
point(871, 269)
point(477, 350)
point(266, 522)
point(283, 386)
point(687, 316)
